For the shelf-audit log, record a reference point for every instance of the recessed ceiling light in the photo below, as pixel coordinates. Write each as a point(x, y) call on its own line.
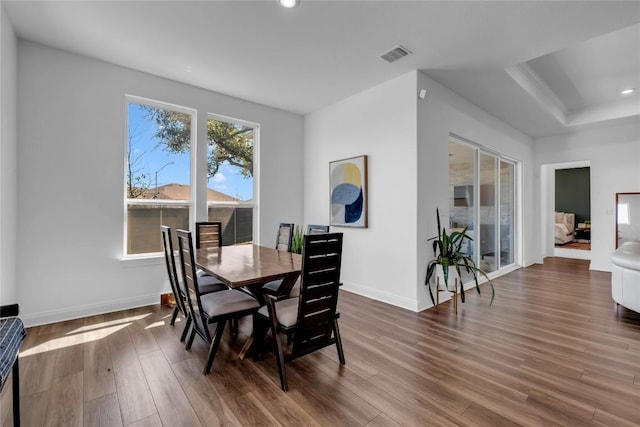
point(628, 91)
point(288, 3)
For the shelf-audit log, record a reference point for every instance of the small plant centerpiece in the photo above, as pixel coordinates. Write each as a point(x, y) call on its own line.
point(447, 250)
point(297, 240)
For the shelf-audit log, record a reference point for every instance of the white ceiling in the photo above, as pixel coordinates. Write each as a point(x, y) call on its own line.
point(543, 67)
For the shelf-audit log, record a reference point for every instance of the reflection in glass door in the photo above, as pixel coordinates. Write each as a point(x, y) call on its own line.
point(462, 181)
point(482, 199)
point(507, 213)
point(488, 213)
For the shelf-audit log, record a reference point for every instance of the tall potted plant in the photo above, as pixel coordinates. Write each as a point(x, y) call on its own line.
point(447, 250)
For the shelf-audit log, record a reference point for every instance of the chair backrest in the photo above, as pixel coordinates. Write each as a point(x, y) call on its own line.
point(190, 280)
point(208, 234)
point(170, 261)
point(285, 237)
point(317, 229)
point(319, 282)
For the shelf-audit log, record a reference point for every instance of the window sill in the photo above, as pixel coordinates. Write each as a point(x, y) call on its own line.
point(141, 260)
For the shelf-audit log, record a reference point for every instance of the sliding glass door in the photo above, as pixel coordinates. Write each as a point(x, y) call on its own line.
point(482, 199)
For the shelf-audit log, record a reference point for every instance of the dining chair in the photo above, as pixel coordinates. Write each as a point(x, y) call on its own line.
point(207, 284)
point(283, 243)
point(311, 319)
point(285, 237)
point(317, 229)
point(218, 307)
point(208, 234)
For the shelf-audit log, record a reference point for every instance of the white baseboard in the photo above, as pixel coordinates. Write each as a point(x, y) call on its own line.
point(70, 313)
point(381, 296)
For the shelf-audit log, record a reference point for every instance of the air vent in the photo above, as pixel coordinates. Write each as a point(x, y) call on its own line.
point(395, 54)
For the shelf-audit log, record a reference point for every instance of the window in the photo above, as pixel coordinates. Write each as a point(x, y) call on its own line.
point(157, 169)
point(161, 150)
point(230, 172)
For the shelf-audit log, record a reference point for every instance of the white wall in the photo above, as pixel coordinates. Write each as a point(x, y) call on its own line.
point(407, 142)
point(614, 156)
point(378, 261)
point(71, 128)
point(443, 112)
point(8, 161)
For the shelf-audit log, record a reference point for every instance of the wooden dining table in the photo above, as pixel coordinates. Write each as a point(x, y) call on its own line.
point(249, 266)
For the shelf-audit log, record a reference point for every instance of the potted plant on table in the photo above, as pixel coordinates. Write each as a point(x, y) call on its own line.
point(448, 253)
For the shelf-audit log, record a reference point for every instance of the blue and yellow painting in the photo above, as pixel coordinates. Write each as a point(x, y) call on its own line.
point(348, 192)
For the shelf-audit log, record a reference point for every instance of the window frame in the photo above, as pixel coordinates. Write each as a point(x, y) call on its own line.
point(191, 204)
point(256, 195)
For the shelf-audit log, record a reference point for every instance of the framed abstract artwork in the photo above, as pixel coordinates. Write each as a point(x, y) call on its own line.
point(348, 192)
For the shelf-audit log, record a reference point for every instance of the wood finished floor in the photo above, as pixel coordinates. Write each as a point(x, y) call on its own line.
point(552, 350)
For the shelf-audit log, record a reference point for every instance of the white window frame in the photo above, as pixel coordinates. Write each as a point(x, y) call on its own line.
point(256, 196)
point(192, 174)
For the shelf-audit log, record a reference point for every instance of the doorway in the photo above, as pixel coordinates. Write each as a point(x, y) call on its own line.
point(566, 208)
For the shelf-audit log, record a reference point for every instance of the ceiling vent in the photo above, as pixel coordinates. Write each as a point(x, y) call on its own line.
point(395, 54)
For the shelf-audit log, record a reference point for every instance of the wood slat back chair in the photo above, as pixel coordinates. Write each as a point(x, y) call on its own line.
point(217, 307)
point(285, 237)
point(283, 243)
point(207, 284)
point(312, 318)
point(317, 229)
point(209, 234)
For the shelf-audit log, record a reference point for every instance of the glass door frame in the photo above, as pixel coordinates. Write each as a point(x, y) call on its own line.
point(517, 203)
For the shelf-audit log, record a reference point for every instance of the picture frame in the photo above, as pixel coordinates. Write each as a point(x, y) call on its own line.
point(348, 192)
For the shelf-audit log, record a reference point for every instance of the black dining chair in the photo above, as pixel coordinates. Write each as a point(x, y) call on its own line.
point(284, 237)
point(208, 234)
point(283, 243)
point(311, 319)
point(217, 307)
point(317, 229)
point(207, 284)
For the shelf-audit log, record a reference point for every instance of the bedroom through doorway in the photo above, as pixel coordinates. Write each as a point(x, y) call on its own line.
point(572, 212)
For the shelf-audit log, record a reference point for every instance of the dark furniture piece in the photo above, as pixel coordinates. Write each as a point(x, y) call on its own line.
point(583, 234)
point(208, 234)
point(317, 229)
point(249, 267)
point(311, 319)
point(12, 334)
point(283, 243)
point(207, 284)
point(217, 307)
point(285, 237)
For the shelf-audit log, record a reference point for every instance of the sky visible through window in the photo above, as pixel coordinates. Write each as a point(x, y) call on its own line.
point(155, 160)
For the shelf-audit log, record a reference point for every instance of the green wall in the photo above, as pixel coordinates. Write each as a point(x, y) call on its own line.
point(572, 192)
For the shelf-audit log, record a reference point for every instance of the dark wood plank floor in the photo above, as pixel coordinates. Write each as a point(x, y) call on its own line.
point(553, 349)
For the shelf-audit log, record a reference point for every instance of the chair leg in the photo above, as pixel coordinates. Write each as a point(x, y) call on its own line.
point(174, 315)
point(233, 323)
point(185, 331)
point(16, 393)
point(213, 349)
point(280, 355)
point(336, 332)
point(192, 335)
point(260, 328)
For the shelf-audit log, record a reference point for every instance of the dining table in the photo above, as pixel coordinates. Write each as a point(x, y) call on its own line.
point(249, 266)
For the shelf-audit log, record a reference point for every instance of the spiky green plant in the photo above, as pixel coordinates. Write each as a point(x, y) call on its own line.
point(447, 250)
point(297, 240)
